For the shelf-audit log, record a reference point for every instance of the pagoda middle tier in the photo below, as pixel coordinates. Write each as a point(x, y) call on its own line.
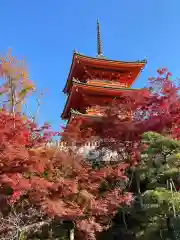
point(93, 83)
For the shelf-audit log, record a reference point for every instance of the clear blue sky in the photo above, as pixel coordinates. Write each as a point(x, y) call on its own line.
point(45, 32)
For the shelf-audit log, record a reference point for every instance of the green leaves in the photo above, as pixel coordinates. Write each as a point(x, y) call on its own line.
point(161, 158)
point(162, 197)
point(158, 174)
point(160, 144)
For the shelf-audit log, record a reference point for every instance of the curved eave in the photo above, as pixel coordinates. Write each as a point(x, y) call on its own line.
point(111, 88)
point(104, 62)
point(70, 72)
point(75, 115)
point(97, 59)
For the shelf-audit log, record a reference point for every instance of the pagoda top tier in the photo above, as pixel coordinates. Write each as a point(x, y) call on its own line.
point(84, 68)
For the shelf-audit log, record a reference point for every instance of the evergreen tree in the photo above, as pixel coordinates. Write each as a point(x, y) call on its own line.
point(156, 209)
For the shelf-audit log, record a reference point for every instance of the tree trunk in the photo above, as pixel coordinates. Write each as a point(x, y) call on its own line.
point(170, 229)
point(139, 190)
point(71, 234)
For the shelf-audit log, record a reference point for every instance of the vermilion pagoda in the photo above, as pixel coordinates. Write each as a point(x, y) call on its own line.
point(93, 83)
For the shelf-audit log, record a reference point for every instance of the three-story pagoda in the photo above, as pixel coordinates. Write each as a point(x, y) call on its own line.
point(93, 83)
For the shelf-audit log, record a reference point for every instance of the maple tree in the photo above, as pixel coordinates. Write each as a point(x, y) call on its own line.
point(59, 183)
point(17, 85)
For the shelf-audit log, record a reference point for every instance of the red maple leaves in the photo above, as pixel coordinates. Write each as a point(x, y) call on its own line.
point(156, 108)
point(64, 184)
point(60, 183)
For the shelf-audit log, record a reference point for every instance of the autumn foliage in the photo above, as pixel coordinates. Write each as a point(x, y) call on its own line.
point(17, 85)
point(155, 108)
point(59, 183)
point(63, 184)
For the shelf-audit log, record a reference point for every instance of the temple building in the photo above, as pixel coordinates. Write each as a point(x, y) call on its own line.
point(93, 83)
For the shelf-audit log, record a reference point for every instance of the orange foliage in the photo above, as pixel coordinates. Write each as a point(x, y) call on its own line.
point(17, 83)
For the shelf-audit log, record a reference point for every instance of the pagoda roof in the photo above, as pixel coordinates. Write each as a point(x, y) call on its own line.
point(81, 61)
point(108, 91)
point(98, 87)
point(77, 114)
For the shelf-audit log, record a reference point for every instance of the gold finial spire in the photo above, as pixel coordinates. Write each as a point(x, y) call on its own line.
point(99, 41)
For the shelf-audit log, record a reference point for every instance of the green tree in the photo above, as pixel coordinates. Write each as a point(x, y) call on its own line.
point(156, 209)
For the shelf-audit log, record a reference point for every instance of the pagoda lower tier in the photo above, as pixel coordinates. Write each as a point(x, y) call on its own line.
point(87, 98)
point(93, 114)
